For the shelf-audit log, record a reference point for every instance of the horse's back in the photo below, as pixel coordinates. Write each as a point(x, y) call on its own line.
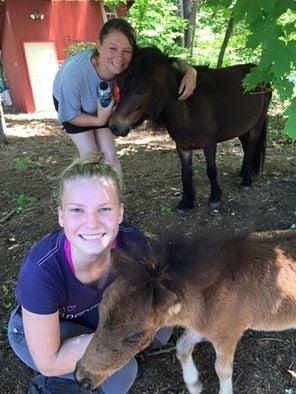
point(231, 110)
point(223, 76)
point(276, 296)
point(258, 277)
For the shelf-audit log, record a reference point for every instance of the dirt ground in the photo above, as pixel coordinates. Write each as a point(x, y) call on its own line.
point(29, 166)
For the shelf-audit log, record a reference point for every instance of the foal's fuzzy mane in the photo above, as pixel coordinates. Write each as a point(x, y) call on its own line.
point(176, 258)
point(201, 259)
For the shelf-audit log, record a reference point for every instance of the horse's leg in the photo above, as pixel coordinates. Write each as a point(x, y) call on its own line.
point(215, 196)
point(248, 157)
point(244, 141)
point(187, 201)
point(184, 346)
point(224, 364)
point(254, 151)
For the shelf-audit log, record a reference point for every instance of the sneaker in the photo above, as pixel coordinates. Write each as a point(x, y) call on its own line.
point(56, 385)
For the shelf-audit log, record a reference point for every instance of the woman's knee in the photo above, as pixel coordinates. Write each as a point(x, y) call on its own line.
point(121, 381)
point(17, 339)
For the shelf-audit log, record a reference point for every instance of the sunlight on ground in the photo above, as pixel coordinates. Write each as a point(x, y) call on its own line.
point(29, 125)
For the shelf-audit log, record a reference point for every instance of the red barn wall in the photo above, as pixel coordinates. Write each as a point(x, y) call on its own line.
point(64, 23)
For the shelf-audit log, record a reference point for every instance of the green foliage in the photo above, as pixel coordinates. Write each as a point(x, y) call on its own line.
point(166, 210)
point(22, 163)
point(156, 23)
point(113, 4)
point(290, 127)
point(20, 201)
point(273, 36)
point(210, 31)
point(77, 47)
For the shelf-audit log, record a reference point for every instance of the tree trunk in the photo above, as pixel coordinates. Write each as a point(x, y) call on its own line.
point(190, 8)
point(3, 139)
point(225, 42)
point(180, 40)
point(195, 6)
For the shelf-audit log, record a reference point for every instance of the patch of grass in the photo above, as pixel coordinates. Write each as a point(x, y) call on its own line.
point(22, 163)
point(166, 210)
point(20, 201)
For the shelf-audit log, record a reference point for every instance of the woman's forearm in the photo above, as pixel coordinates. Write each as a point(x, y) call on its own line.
point(65, 359)
point(85, 120)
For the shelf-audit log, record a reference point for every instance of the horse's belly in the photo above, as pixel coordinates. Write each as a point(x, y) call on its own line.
point(190, 141)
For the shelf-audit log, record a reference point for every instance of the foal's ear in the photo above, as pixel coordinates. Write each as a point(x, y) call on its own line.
point(166, 301)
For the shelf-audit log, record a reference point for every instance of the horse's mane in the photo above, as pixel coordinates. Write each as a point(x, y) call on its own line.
point(139, 72)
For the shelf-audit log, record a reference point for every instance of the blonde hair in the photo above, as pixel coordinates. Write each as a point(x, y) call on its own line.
point(90, 165)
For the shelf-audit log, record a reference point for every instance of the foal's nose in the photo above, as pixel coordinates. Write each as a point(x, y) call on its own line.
point(85, 383)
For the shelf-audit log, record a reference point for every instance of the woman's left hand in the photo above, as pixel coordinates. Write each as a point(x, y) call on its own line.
point(188, 83)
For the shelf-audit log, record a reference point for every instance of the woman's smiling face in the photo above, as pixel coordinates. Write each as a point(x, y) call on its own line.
point(115, 55)
point(90, 213)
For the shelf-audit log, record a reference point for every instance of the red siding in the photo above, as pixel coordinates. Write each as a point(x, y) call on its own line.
point(64, 23)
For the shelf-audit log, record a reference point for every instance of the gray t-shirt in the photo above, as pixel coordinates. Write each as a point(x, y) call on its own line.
point(76, 86)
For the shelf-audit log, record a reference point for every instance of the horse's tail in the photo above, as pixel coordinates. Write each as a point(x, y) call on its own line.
point(259, 157)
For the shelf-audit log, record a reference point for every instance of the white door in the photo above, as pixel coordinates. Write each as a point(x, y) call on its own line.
point(42, 65)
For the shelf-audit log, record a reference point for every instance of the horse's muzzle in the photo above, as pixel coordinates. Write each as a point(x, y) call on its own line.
point(120, 130)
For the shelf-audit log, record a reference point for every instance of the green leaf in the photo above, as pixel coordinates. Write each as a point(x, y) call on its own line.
point(268, 6)
point(166, 210)
point(284, 88)
point(281, 6)
point(290, 127)
point(282, 66)
point(254, 12)
point(240, 9)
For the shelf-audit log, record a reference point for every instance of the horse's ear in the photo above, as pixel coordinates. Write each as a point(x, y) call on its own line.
point(166, 301)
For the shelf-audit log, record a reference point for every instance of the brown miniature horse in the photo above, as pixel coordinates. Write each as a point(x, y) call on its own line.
point(216, 286)
point(217, 111)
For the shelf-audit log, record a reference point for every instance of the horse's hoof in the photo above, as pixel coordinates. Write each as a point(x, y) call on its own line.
point(183, 211)
point(246, 188)
point(214, 206)
point(183, 208)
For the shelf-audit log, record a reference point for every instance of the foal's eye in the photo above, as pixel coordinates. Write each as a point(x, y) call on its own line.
point(133, 339)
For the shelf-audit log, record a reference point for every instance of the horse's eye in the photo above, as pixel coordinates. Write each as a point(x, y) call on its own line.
point(134, 338)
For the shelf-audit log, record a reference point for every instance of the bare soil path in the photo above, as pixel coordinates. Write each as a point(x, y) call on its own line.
point(29, 166)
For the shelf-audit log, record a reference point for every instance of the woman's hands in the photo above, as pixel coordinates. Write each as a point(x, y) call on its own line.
point(104, 113)
point(188, 83)
point(99, 119)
